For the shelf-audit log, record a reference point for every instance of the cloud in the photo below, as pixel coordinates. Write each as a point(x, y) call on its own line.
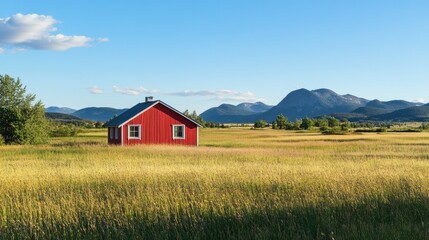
point(103, 40)
point(95, 90)
point(132, 91)
point(35, 32)
point(1, 50)
point(419, 100)
point(223, 94)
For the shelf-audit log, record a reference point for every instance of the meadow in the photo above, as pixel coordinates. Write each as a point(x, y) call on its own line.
point(239, 183)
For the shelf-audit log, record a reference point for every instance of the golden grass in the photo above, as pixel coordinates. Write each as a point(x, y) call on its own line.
point(239, 183)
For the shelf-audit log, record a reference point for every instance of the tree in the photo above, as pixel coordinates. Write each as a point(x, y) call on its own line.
point(345, 125)
point(333, 122)
point(307, 123)
point(21, 120)
point(322, 123)
point(194, 116)
point(260, 124)
point(297, 124)
point(281, 121)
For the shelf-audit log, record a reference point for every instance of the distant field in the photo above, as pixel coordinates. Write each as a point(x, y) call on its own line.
point(239, 183)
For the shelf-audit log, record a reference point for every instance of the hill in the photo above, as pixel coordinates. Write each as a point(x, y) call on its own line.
point(257, 107)
point(226, 113)
point(55, 109)
point(419, 113)
point(68, 119)
point(102, 114)
point(376, 107)
point(297, 104)
point(61, 116)
point(391, 105)
point(304, 103)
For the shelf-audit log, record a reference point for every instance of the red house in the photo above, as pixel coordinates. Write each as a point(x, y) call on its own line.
point(152, 122)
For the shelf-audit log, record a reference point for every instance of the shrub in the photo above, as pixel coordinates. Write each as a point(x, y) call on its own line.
point(64, 131)
point(260, 124)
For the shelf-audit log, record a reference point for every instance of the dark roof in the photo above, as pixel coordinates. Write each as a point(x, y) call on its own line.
point(136, 110)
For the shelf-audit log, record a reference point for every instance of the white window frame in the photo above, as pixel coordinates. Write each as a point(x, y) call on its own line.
point(116, 133)
point(140, 131)
point(184, 130)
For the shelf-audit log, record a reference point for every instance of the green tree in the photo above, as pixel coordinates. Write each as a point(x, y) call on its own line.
point(98, 124)
point(333, 122)
point(281, 122)
point(260, 124)
point(21, 120)
point(345, 125)
point(297, 124)
point(322, 123)
point(194, 116)
point(307, 123)
point(274, 125)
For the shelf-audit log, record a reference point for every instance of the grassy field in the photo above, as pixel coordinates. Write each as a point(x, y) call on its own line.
point(240, 183)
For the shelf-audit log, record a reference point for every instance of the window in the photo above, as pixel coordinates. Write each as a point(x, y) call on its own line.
point(111, 133)
point(134, 131)
point(116, 133)
point(178, 131)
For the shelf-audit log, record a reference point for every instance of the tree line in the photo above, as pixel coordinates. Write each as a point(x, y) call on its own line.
point(23, 120)
point(194, 116)
point(328, 123)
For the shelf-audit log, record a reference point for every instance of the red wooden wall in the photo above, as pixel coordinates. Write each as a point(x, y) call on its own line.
point(156, 127)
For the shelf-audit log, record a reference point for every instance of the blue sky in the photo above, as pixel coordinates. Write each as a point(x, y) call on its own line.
point(198, 54)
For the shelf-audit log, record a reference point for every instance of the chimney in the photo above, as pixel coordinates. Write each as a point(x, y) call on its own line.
point(149, 99)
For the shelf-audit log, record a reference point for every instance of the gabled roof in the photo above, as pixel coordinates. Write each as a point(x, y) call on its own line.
point(139, 109)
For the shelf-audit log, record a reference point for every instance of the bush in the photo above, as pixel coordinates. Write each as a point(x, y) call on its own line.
point(260, 124)
point(2, 142)
point(377, 130)
point(381, 130)
point(64, 131)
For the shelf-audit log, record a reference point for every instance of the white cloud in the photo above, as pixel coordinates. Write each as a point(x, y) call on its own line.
point(223, 94)
point(420, 100)
point(103, 39)
point(132, 91)
point(95, 90)
point(34, 31)
point(1, 50)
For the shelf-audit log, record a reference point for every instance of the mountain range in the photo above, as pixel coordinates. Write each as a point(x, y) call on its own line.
point(297, 104)
point(101, 114)
point(303, 103)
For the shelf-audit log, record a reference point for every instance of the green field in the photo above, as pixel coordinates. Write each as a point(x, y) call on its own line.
point(240, 183)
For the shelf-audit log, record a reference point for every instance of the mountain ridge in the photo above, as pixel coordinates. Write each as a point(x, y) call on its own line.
point(297, 104)
point(303, 103)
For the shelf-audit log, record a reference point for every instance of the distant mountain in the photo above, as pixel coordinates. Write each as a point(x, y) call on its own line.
point(391, 105)
point(54, 109)
point(102, 114)
point(226, 113)
point(297, 104)
point(376, 107)
point(61, 116)
point(257, 107)
point(304, 103)
point(419, 113)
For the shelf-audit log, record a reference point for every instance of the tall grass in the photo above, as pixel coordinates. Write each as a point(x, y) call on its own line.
point(240, 183)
